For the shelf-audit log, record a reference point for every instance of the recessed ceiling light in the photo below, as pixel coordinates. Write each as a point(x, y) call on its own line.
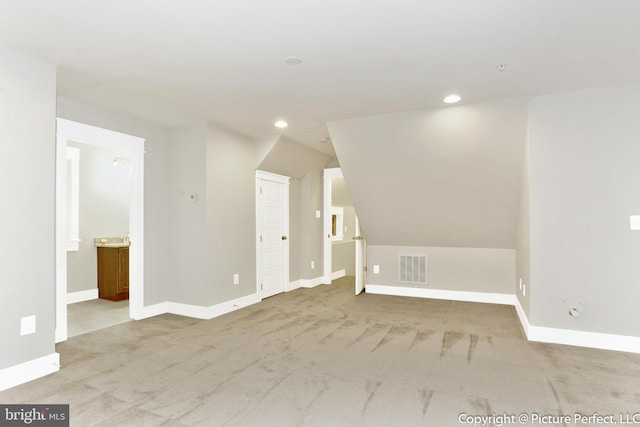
point(281, 124)
point(293, 60)
point(324, 139)
point(451, 99)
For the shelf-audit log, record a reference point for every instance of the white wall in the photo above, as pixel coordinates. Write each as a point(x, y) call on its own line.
point(103, 211)
point(522, 288)
point(230, 201)
point(185, 236)
point(27, 258)
point(455, 171)
point(585, 182)
point(311, 227)
point(451, 269)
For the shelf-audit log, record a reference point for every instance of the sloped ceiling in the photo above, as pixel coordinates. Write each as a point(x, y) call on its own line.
point(439, 177)
point(292, 159)
point(177, 62)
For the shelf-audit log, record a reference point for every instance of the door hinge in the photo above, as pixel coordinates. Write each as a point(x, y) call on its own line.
point(261, 286)
point(261, 238)
point(260, 190)
point(365, 268)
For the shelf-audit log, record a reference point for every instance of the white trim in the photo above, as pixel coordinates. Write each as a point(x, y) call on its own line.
point(73, 198)
point(533, 333)
point(296, 284)
point(133, 148)
point(154, 310)
point(338, 274)
point(404, 291)
point(576, 338)
point(29, 371)
point(311, 283)
point(328, 175)
point(214, 310)
point(80, 296)
point(524, 321)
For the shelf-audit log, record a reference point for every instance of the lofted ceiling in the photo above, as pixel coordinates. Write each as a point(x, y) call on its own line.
point(176, 62)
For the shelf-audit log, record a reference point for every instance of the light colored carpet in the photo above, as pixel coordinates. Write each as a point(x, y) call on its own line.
point(324, 357)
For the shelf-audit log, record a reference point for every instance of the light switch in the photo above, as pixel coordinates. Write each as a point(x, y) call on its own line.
point(317, 214)
point(376, 269)
point(634, 222)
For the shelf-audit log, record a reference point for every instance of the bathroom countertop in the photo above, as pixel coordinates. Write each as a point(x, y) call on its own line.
point(111, 242)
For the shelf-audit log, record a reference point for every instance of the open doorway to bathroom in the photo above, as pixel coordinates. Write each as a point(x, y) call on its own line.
point(99, 210)
point(98, 265)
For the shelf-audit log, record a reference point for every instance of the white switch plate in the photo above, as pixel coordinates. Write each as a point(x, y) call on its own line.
point(313, 265)
point(317, 214)
point(236, 279)
point(634, 222)
point(28, 325)
point(376, 269)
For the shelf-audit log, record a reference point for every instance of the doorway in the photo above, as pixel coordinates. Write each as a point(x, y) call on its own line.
point(343, 241)
point(272, 233)
point(128, 148)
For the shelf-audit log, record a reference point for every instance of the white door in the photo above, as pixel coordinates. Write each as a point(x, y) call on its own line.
point(361, 272)
point(272, 240)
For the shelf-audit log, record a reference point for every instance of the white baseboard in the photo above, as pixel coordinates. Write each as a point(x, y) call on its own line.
point(80, 296)
point(294, 285)
point(338, 274)
point(489, 298)
point(29, 371)
point(310, 283)
point(534, 333)
point(198, 312)
point(152, 310)
point(576, 338)
point(214, 310)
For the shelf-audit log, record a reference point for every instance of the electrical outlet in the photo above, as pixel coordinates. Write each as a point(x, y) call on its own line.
point(28, 325)
point(236, 279)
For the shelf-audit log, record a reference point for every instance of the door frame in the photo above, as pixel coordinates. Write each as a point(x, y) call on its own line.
point(328, 175)
point(285, 181)
point(361, 259)
point(133, 148)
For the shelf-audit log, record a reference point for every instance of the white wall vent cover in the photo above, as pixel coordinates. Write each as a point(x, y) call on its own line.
point(413, 269)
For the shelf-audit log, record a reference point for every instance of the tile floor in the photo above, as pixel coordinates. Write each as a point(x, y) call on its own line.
point(92, 315)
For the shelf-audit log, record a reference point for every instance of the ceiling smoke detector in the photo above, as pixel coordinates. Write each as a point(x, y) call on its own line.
point(293, 60)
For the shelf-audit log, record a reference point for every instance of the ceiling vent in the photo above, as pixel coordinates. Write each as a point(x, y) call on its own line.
point(413, 269)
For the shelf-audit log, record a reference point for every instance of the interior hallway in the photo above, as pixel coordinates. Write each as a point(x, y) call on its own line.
point(324, 357)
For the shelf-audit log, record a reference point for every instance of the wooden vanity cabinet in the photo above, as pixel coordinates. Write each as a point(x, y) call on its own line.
point(113, 273)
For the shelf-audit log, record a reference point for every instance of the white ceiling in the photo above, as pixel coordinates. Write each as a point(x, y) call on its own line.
point(175, 62)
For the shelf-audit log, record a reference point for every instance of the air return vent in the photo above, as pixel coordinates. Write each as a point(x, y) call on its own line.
point(413, 269)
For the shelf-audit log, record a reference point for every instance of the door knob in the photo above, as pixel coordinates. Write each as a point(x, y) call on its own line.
point(284, 237)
